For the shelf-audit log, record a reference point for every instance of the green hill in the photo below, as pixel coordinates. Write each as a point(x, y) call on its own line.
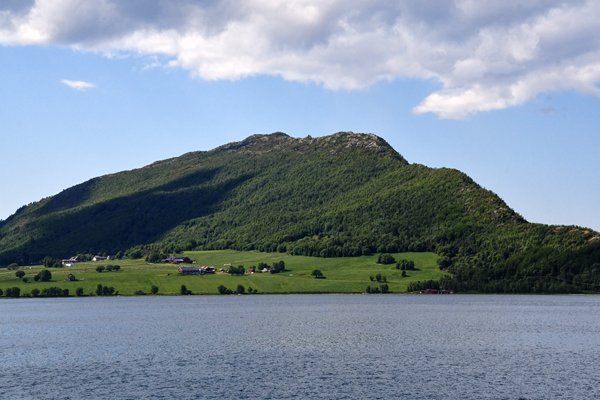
point(341, 195)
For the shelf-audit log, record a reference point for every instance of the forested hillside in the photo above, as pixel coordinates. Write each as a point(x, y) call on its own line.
point(340, 195)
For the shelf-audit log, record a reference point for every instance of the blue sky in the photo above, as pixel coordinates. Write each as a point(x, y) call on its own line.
point(509, 96)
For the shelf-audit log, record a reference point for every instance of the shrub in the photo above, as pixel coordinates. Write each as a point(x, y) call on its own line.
point(240, 289)
point(154, 289)
point(100, 268)
point(139, 293)
point(79, 292)
point(20, 274)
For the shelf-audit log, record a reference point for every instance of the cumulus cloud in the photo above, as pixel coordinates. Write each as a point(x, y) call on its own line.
point(484, 55)
point(78, 85)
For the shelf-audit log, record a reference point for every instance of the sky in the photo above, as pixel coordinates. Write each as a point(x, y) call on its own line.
point(507, 93)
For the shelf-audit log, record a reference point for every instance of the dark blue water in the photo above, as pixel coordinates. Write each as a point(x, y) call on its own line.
point(301, 347)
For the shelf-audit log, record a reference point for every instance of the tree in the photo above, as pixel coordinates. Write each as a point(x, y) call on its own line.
point(44, 275)
point(154, 257)
point(240, 289)
point(13, 292)
point(20, 274)
point(278, 267)
point(184, 290)
point(386, 259)
point(385, 288)
point(79, 292)
point(406, 265)
point(100, 268)
point(35, 292)
point(222, 289)
point(240, 270)
point(154, 289)
point(48, 262)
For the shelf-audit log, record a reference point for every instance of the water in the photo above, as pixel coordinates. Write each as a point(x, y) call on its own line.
point(301, 347)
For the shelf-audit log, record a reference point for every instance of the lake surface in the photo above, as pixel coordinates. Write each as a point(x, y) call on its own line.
point(301, 347)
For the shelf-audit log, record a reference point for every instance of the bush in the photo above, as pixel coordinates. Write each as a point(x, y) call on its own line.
point(240, 289)
point(139, 293)
point(25, 280)
point(35, 292)
point(79, 292)
point(154, 289)
point(100, 268)
point(386, 259)
point(20, 274)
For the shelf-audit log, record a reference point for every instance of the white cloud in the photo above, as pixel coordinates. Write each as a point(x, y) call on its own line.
point(485, 55)
point(78, 85)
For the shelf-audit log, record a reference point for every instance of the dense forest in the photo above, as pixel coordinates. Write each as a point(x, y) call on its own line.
point(341, 195)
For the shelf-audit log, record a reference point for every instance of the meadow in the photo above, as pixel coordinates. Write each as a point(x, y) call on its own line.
point(342, 274)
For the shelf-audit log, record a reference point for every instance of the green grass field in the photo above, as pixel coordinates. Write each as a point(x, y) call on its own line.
point(343, 275)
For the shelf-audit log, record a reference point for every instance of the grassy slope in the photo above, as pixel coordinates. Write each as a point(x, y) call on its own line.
point(344, 274)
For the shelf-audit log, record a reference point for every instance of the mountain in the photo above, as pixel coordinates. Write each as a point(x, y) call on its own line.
point(343, 194)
